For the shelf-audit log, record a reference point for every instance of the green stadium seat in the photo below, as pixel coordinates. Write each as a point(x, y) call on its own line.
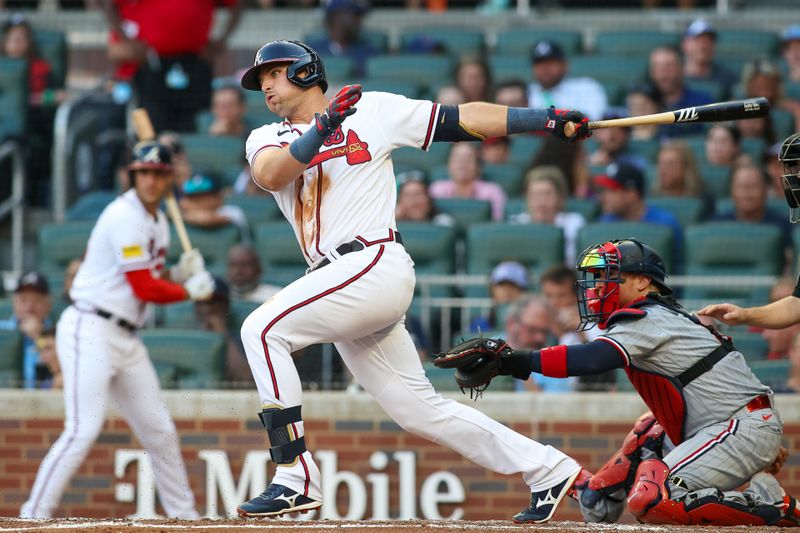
point(772, 373)
point(13, 97)
point(279, 252)
point(377, 38)
point(240, 309)
point(10, 358)
point(420, 159)
point(632, 42)
point(515, 206)
point(524, 148)
point(465, 211)
point(522, 40)
point(615, 92)
point(645, 148)
point(432, 247)
point(658, 236)
point(338, 68)
point(750, 44)
point(609, 68)
point(180, 315)
point(456, 41)
point(508, 175)
point(754, 148)
point(753, 346)
point(537, 246)
point(507, 67)
point(716, 179)
point(6, 308)
point(257, 112)
point(732, 248)
point(783, 122)
point(792, 89)
point(90, 205)
point(687, 210)
point(195, 358)
point(724, 206)
point(409, 67)
point(213, 243)
point(52, 47)
point(588, 207)
point(392, 85)
point(441, 378)
point(58, 244)
point(257, 209)
point(710, 87)
point(221, 157)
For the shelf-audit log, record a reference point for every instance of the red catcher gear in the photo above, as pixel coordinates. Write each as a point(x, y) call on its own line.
point(649, 501)
point(618, 472)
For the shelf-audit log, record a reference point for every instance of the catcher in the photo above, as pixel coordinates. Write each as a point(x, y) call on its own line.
point(712, 425)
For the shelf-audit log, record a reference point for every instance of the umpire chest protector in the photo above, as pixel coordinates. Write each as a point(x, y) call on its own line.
point(662, 393)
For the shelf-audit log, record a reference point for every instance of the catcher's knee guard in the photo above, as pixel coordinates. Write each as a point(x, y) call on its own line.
point(285, 446)
point(649, 501)
point(618, 471)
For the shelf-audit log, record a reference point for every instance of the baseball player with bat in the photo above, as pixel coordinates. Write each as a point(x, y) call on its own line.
point(100, 354)
point(712, 427)
point(328, 164)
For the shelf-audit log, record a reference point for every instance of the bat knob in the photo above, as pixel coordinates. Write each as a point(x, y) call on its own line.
point(569, 129)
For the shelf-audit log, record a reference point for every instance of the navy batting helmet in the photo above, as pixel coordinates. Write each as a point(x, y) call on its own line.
point(149, 155)
point(302, 57)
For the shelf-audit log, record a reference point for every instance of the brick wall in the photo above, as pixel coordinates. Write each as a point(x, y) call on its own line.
point(24, 440)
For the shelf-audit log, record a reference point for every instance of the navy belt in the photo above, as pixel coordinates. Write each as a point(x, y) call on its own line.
point(356, 245)
point(121, 322)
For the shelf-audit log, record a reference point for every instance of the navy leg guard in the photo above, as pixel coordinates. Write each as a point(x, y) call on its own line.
point(285, 447)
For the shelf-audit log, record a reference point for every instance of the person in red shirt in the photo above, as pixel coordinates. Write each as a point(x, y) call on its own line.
point(165, 49)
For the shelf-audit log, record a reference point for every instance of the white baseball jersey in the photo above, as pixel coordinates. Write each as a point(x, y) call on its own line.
point(125, 238)
point(349, 187)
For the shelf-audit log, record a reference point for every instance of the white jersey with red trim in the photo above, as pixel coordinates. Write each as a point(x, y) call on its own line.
point(125, 238)
point(349, 187)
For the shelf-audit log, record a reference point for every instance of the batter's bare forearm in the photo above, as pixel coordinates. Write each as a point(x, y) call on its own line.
point(483, 118)
point(274, 168)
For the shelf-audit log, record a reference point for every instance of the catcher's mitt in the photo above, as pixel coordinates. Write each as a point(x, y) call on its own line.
point(476, 361)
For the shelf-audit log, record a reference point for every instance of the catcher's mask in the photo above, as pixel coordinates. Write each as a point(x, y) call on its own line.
point(790, 157)
point(600, 270)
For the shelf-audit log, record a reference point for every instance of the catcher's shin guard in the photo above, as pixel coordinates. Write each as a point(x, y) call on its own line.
point(285, 446)
point(649, 501)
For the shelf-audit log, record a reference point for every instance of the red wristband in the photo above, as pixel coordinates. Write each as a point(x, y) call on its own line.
point(554, 361)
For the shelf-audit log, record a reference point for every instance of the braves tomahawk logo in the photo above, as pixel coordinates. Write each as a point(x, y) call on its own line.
point(354, 150)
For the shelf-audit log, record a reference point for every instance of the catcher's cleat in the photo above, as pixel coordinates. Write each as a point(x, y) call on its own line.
point(275, 501)
point(544, 502)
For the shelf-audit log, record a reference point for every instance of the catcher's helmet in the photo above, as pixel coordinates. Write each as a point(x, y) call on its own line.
point(149, 155)
point(302, 57)
point(599, 268)
point(790, 157)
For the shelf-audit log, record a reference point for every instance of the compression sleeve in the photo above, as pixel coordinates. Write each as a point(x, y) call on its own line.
point(150, 289)
point(525, 120)
point(450, 129)
point(562, 361)
point(305, 147)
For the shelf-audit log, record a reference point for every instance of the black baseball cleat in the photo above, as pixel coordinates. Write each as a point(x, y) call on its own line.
point(544, 502)
point(275, 501)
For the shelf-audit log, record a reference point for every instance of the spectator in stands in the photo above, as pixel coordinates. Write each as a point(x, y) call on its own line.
point(760, 128)
point(165, 50)
point(612, 144)
point(18, 42)
point(343, 20)
point(474, 79)
point(244, 276)
point(228, 108)
point(622, 198)
point(180, 159)
point(762, 77)
point(677, 175)
point(571, 159)
point(48, 371)
point(723, 145)
point(464, 168)
point(495, 150)
point(698, 46)
point(414, 202)
point(790, 50)
point(507, 282)
point(551, 86)
point(644, 99)
point(31, 307)
point(450, 95)
point(528, 326)
point(212, 315)
point(558, 285)
point(779, 341)
point(545, 196)
point(204, 205)
point(513, 93)
point(666, 74)
point(749, 191)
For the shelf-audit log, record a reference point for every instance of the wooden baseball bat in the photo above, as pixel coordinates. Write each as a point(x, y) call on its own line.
point(145, 132)
point(717, 112)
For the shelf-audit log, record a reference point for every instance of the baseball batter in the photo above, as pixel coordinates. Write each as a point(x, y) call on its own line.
point(329, 166)
point(713, 425)
point(100, 354)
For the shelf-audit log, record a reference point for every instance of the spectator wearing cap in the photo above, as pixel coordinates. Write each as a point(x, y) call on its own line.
point(612, 144)
point(790, 50)
point(665, 72)
point(414, 202)
point(545, 197)
point(31, 311)
point(762, 77)
point(698, 46)
point(552, 87)
point(343, 19)
point(202, 205)
point(622, 199)
point(244, 276)
point(507, 282)
point(228, 108)
point(643, 99)
point(212, 315)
